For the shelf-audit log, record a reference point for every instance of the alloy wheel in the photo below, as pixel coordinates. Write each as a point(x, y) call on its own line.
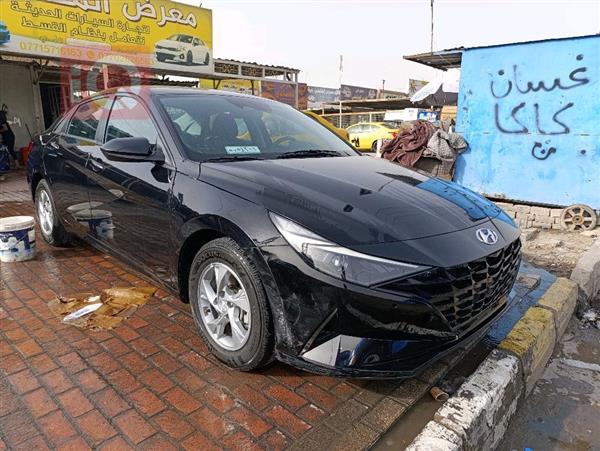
point(224, 306)
point(45, 213)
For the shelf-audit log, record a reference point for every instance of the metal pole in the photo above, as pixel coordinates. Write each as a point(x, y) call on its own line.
point(296, 90)
point(431, 26)
point(105, 75)
point(341, 71)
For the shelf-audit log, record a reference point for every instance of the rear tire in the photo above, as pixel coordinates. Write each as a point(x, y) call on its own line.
point(51, 228)
point(255, 349)
point(207, 59)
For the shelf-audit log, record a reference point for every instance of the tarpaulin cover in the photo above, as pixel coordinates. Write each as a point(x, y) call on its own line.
point(408, 146)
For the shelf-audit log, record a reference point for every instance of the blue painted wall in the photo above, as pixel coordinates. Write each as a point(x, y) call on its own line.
point(531, 115)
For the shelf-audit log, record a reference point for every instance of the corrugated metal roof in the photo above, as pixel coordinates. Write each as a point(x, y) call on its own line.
point(450, 58)
point(231, 61)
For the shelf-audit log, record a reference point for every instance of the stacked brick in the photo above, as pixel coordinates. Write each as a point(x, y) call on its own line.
point(528, 216)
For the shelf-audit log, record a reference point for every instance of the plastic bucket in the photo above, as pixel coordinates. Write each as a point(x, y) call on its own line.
point(17, 239)
point(98, 222)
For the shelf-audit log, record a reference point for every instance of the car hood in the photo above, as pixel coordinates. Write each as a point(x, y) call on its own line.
point(353, 200)
point(169, 43)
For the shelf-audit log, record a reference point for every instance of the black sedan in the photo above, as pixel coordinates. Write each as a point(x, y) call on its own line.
point(287, 243)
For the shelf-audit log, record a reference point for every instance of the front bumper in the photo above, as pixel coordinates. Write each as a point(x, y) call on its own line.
point(170, 54)
point(394, 330)
point(369, 358)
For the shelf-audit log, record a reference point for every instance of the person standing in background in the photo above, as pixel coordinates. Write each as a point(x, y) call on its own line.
point(8, 137)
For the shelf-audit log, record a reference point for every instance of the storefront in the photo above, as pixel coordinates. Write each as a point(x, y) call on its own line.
point(56, 52)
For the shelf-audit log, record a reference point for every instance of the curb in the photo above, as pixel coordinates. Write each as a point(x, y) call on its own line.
point(587, 272)
point(477, 416)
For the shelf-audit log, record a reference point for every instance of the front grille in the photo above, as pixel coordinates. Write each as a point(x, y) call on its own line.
point(162, 47)
point(461, 293)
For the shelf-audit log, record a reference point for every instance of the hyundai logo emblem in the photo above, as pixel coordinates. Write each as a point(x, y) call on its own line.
point(487, 236)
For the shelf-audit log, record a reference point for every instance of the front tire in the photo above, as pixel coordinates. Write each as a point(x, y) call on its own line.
point(207, 59)
point(189, 59)
point(230, 306)
point(53, 232)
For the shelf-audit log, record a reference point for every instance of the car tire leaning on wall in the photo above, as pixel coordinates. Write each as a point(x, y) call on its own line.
point(58, 236)
point(258, 349)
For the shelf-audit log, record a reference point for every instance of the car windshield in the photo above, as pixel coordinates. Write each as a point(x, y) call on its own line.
point(185, 38)
point(387, 125)
point(227, 127)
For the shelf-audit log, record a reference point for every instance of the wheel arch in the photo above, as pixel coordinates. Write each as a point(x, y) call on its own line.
point(36, 177)
point(198, 232)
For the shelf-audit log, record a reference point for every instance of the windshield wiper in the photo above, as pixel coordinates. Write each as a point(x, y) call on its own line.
point(232, 158)
point(314, 153)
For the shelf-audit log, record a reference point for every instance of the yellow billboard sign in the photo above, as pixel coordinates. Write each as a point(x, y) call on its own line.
point(234, 85)
point(147, 34)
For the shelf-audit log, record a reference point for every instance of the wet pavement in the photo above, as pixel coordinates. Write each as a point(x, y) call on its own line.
point(563, 411)
point(150, 383)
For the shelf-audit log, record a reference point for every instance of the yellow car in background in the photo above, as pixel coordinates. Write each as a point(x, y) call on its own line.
point(364, 135)
point(338, 131)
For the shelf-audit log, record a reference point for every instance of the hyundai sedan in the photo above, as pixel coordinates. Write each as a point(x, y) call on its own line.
point(287, 243)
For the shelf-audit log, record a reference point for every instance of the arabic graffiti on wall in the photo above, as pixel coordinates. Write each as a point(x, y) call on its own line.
point(530, 112)
point(145, 33)
point(576, 77)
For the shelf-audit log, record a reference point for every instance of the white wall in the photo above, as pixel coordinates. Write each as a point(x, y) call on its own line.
point(23, 100)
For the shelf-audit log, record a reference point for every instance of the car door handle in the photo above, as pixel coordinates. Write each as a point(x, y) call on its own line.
point(56, 149)
point(95, 165)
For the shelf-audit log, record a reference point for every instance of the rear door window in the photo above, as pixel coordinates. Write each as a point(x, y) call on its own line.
point(84, 122)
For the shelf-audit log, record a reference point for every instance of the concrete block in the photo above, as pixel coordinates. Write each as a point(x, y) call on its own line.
point(521, 208)
point(587, 271)
point(560, 299)
point(521, 215)
point(481, 409)
point(540, 211)
point(555, 212)
point(543, 220)
point(435, 437)
point(532, 340)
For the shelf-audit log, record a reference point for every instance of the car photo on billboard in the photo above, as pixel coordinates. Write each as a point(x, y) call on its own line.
point(182, 48)
point(4, 33)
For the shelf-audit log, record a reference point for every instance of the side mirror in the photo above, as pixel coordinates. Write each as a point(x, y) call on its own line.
point(132, 149)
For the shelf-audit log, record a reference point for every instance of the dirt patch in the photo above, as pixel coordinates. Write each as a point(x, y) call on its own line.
point(557, 251)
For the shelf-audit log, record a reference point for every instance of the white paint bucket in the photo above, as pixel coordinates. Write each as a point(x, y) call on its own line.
point(17, 239)
point(98, 222)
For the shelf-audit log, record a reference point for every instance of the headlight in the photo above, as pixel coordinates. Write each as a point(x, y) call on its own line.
point(339, 262)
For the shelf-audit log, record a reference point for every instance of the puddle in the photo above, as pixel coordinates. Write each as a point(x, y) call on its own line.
point(100, 311)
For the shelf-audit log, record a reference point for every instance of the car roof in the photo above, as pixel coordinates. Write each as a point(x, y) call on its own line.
point(156, 91)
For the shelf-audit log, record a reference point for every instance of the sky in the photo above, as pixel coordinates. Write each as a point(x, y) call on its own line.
point(374, 35)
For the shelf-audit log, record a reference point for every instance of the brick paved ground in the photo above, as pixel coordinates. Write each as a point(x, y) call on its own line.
point(150, 383)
